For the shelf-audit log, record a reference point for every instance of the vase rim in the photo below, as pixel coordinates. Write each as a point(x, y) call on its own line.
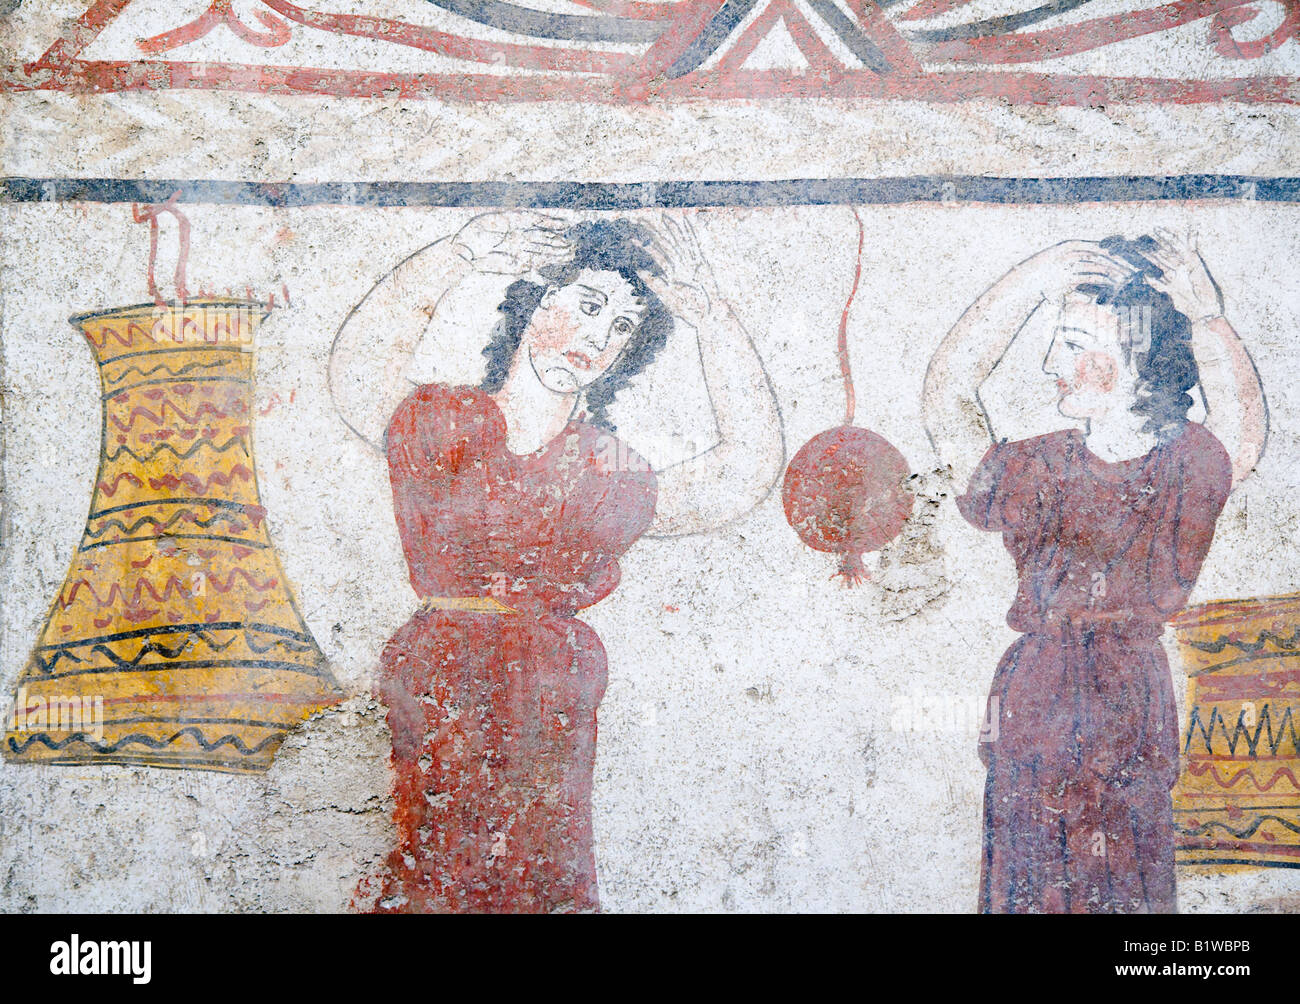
point(145, 309)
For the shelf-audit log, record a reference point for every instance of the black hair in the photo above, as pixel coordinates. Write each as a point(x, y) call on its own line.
point(1161, 352)
point(607, 246)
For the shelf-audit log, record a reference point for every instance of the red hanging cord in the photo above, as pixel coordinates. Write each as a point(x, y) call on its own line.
point(850, 399)
point(142, 214)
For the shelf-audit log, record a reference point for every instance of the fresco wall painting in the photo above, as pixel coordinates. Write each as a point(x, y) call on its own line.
point(518, 498)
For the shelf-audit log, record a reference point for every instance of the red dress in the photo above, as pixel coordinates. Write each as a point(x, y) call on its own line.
point(1077, 810)
point(493, 715)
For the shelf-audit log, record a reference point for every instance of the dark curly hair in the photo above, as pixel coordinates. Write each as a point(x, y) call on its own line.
point(605, 246)
point(1162, 355)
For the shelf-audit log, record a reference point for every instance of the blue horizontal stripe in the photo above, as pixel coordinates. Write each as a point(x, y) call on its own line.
point(663, 194)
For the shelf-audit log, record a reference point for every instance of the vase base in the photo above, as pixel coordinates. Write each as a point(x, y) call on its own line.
point(176, 763)
point(231, 746)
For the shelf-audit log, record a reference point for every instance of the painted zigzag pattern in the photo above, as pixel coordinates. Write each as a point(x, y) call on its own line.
point(140, 739)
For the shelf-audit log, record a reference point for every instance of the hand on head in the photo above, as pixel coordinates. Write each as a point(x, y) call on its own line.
point(687, 284)
point(509, 244)
point(1066, 266)
point(1184, 277)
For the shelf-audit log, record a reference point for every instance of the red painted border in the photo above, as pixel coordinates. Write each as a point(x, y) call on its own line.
point(59, 69)
point(80, 34)
point(1012, 88)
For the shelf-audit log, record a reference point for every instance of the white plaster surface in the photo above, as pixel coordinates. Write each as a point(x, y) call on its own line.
point(750, 755)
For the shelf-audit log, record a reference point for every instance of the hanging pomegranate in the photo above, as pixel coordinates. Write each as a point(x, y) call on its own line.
point(843, 490)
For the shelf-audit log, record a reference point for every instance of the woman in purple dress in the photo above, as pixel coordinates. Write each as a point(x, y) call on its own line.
point(1108, 523)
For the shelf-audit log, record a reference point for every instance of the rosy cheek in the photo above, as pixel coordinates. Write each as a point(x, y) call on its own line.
point(1095, 371)
point(553, 329)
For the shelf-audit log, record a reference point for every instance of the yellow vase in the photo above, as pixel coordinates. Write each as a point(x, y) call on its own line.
point(175, 640)
point(1237, 803)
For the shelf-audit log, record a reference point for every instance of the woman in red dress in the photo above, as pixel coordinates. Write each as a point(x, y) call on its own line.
point(1108, 525)
point(514, 502)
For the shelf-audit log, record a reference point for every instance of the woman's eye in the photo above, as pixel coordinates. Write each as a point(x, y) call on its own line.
point(623, 326)
point(1074, 346)
point(590, 307)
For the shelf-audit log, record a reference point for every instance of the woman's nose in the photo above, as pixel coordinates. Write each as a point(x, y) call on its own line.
point(1050, 366)
point(597, 336)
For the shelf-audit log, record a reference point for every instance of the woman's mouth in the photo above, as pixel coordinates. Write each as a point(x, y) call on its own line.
point(578, 360)
point(1062, 388)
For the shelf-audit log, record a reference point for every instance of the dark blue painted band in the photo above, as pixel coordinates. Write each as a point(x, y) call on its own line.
point(594, 27)
point(720, 26)
point(997, 25)
point(661, 194)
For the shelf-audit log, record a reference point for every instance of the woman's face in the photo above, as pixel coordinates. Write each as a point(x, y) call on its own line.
point(1087, 358)
point(579, 330)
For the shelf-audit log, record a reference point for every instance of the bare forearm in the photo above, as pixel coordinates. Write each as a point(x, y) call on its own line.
point(739, 388)
point(959, 430)
point(370, 355)
point(1234, 398)
point(737, 473)
point(955, 418)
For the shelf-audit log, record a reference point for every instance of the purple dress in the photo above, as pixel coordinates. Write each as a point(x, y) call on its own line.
point(1077, 810)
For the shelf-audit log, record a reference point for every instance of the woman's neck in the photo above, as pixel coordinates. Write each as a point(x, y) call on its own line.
point(534, 413)
point(1119, 436)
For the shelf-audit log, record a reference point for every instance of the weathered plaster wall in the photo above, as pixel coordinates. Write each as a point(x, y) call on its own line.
point(754, 751)
point(747, 758)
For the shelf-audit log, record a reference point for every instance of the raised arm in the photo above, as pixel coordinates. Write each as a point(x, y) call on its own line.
point(1235, 409)
point(368, 361)
point(371, 353)
point(730, 479)
point(955, 417)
